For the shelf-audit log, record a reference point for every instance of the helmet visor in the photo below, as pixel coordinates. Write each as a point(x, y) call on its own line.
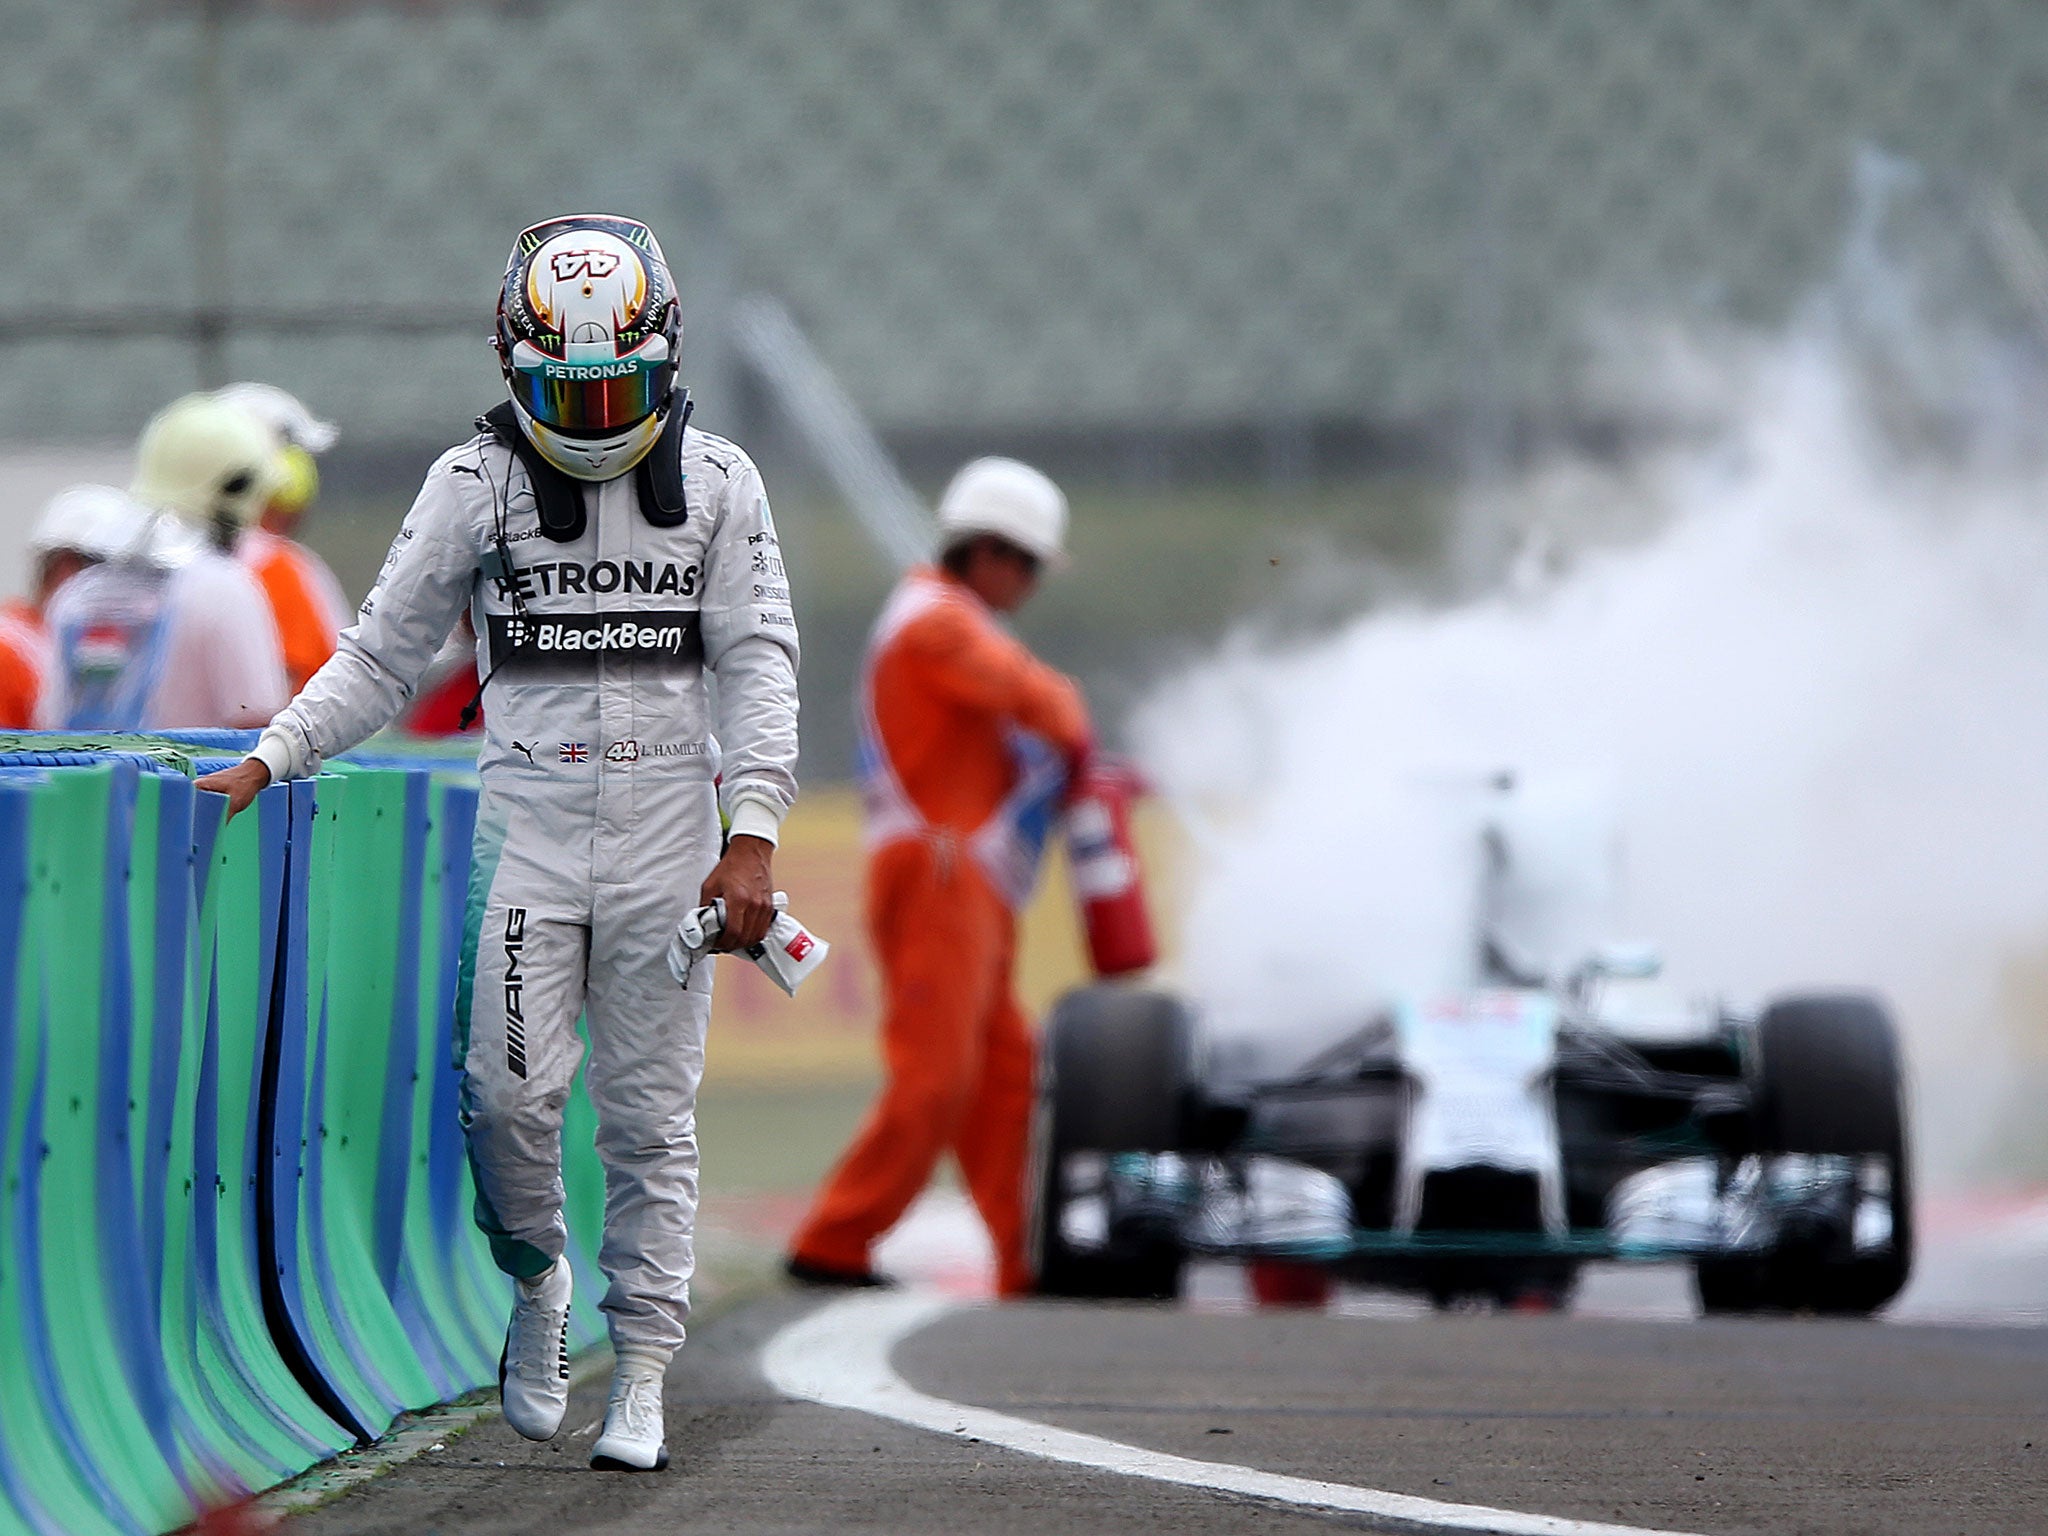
point(600, 395)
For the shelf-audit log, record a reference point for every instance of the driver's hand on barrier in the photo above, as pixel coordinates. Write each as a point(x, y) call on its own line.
point(241, 784)
point(746, 883)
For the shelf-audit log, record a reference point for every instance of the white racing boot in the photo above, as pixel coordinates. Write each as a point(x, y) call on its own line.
point(533, 1372)
point(632, 1440)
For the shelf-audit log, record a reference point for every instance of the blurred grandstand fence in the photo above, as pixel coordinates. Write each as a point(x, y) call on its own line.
point(1172, 239)
point(832, 427)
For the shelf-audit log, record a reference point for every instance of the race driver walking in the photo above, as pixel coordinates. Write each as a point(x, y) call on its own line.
point(610, 557)
point(967, 741)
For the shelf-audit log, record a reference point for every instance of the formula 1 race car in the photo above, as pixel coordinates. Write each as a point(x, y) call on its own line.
point(1484, 1145)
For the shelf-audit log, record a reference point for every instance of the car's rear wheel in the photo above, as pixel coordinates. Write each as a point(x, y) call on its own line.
point(1115, 1076)
point(1730, 1285)
point(1828, 1082)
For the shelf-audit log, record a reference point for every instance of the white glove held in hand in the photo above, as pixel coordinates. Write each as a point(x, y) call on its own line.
point(789, 953)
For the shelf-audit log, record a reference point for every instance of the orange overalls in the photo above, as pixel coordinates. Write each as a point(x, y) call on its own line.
point(304, 598)
point(965, 745)
point(25, 662)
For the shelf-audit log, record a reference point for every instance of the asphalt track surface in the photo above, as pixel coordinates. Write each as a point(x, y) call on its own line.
point(1628, 1412)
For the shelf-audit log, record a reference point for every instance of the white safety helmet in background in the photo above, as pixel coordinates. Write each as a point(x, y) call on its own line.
point(210, 463)
point(1008, 499)
point(93, 520)
point(300, 435)
point(284, 413)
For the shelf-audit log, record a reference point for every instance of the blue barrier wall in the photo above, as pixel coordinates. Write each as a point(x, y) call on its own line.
point(234, 1207)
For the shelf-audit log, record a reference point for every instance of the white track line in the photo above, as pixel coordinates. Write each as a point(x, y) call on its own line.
point(839, 1356)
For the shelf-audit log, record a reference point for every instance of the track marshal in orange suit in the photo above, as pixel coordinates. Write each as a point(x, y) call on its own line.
point(967, 743)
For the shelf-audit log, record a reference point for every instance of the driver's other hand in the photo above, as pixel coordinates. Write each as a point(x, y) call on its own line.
point(241, 784)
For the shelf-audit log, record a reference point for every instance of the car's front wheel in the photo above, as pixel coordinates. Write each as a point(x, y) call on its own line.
point(1827, 1082)
point(1114, 1080)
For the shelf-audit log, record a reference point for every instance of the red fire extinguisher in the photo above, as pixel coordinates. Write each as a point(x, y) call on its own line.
point(1103, 860)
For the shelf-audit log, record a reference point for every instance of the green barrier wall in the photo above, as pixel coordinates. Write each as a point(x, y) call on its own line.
point(234, 1206)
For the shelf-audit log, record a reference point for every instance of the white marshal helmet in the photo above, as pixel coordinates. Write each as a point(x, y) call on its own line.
point(1008, 499)
point(97, 521)
point(211, 463)
point(300, 436)
point(284, 413)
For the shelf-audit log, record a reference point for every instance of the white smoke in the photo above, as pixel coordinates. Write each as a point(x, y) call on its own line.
point(1818, 693)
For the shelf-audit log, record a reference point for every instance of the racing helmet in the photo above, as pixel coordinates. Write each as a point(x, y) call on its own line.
point(208, 462)
point(588, 330)
point(1009, 499)
point(300, 436)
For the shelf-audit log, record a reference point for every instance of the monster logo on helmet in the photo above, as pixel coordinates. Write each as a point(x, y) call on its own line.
point(588, 329)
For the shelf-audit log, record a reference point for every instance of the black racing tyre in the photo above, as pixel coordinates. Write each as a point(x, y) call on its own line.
point(1726, 1286)
point(1827, 1080)
point(1116, 1070)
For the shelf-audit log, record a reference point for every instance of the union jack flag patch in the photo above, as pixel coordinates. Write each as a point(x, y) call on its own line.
point(574, 752)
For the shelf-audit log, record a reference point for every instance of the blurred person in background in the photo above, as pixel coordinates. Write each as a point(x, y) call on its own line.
point(175, 633)
point(615, 561)
point(305, 599)
point(82, 526)
point(967, 742)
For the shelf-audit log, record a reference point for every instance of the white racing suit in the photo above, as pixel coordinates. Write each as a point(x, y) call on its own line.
point(598, 820)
